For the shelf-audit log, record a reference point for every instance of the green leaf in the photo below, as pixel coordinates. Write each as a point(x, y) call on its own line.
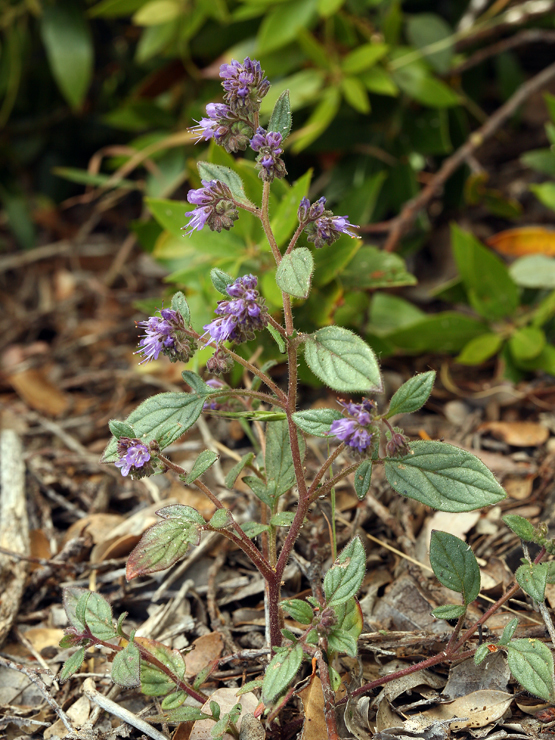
point(531, 663)
point(178, 715)
point(429, 29)
point(156, 12)
point(449, 611)
point(355, 94)
point(527, 343)
point(316, 422)
point(389, 313)
point(282, 24)
point(509, 631)
point(237, 469)
point(252, 529)
point(163, 418)
point(72, 665)
point(363, 57)
point(220, 280)
point(447, 331)
point(281, 120)
point(173, 701)
point(545, 193)
point(284, 215)
point(535, 271)
point(179, 304)
point(480, 349)
point(340, 641)
point(521, 527)
point(379, 82)
point(180, 511)
point(229, 177)
point(260, 490)
point(69, 48)
point(280, 673)
point(455, 565)
point(532, 579)
point(373, 268)
point(363, 478)
point(481, 654)
point(126, 667)
point(153, 681)
point(331, 263)
point(294, 272)
point(444, 477)
point(298, 610)
point(283, 519)
point(319, 120)
point(277, 338)
point(197, 384)
point(415, 80)
point(344, 578)
point(220, 519)
point(412, 395)
point(83, 177)
point(491, 290)
point(98, 616)
point(161, 546)
point(280, 472)
point(204, 461)
point(71, 597)
point(349, 617)
point(121, 429)
point(343, 360)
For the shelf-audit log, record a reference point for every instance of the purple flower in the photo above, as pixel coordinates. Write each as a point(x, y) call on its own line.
point(321, 225)
point(215, 207)
point(356, 429)
point(240, 318)
point(225, 127)
point(165, 334)
point(244, 84)
point(268, 145)
point(134, 458)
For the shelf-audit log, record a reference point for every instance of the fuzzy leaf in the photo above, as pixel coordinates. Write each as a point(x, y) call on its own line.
point(153, 681)
point(229, 177)
point(343, 360)
point(444, 477)
point(220, 280)
point(349, 617)
point(237, 469)
point(521, 527)
point(281, 119)
point(449, 611)
point(316, 422)
point(282, 519)
point(252, 529)
point(280, 473)
point(121, 429)
point(126, 667)
point(340, 641)
point(532, 579)
point(72, 665)
point(278, 339)
point(281, 672)
point(204, 461)
point(412, 395)
point(481, 654)
point(344, 578)
point(71, 597)
point(179, 304)
point(298, 610)
point(180, 511)
point(98, 615)
point(181, 714)
point(508, 632)
point(455, 565)
point(363, 479)
point(220, 519)
point(161, 546)
point(294, 272)
point(531, 663)
point(173, 701)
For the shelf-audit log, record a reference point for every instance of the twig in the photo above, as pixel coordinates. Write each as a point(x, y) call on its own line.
point(39, 683)
point(529, 36)
point(118, 711)
point(401, 223)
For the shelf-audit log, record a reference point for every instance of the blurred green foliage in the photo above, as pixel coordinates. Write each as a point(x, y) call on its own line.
point(378, 99)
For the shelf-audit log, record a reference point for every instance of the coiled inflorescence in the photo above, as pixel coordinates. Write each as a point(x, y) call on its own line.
point(215, 207)
point(321, 225)
point(268, 146)
point(241, 317)
point(166, 334)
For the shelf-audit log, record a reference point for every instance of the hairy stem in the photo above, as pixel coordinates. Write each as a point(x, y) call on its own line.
point(265, 218)
point(295, 238)
point(320, 474)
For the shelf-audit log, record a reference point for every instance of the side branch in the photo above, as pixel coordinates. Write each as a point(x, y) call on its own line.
point(398, 226)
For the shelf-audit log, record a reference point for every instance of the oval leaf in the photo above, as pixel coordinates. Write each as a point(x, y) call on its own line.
point(343, 360)
point(126, 667)
point(98, 616)
point(532, 579)
point(229, 177)
point(449, 611)
point(161, 546)
point(295, 271)
point(280, 672)
point(344, 578)
point(316, 421)
point(412, 395)
point(454, 565)
point(281, 120)
point(204, 461)
point(179, 304)
point(72, 665)
point(363, 478)
point(220, 280)
point(521, 527)
point(531, 663)
point(444, 477)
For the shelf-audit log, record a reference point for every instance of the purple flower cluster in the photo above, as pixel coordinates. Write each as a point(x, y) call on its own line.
point(134, 458)
point(321, 225)
point(356, 429)
point(215, 207)
point(165, 334)
point(244, 84)
point(268, 146)
point(241, 317)
point(227, 128)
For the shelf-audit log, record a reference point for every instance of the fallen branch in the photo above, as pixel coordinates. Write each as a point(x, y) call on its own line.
point(399, 225)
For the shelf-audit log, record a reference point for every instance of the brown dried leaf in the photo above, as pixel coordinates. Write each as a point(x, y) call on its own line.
point(480, 708)
point(524, 240)
point(312, 696)
point(98, 526)
point(206, 649)
point(226, 699)
point(38, 392)
point(518, 433)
